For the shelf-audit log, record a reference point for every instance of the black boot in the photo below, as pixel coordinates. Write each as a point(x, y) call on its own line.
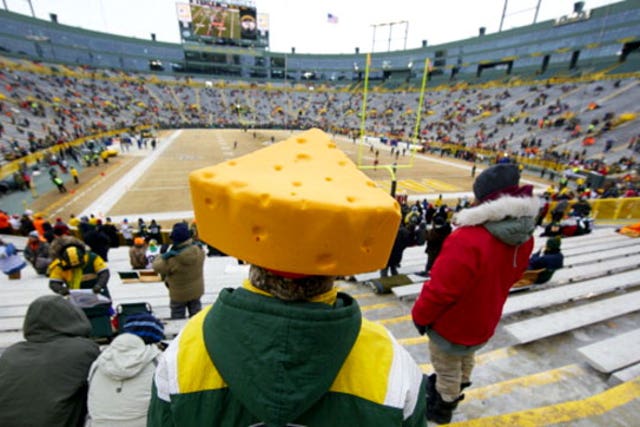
point(431, 386)
point(438, 410)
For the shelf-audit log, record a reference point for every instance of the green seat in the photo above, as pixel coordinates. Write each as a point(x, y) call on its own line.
point(100, 318)
point(125, 310)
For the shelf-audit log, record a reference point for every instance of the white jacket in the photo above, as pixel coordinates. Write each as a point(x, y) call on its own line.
point(120, 383)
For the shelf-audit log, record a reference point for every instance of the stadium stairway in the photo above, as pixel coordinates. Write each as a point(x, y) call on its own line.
point(575, 371)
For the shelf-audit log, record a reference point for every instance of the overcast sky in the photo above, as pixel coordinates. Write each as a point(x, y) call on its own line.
point(303, 24)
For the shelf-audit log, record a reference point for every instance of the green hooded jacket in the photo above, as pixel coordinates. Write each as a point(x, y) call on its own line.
point(254, 360)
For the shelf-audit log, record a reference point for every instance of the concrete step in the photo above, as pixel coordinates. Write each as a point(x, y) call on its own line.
point(566, 293)
point(547, 325)
point(613, 354)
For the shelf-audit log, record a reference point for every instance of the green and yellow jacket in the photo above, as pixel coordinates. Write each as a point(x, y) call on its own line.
point(254, 360)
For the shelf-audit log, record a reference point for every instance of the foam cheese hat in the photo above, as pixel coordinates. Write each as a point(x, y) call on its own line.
point(298, 206)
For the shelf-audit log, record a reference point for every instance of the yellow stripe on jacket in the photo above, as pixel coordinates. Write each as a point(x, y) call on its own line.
point(365, 372)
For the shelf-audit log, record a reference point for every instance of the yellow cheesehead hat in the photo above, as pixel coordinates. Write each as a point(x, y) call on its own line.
point(298, 206)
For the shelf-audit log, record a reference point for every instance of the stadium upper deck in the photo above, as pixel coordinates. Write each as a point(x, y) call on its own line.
point(604, 38)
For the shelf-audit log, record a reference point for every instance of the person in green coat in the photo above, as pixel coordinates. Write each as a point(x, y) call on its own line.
point(286, 351)
point(286, 348)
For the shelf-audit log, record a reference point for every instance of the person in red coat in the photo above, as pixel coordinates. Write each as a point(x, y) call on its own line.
point(461, 303)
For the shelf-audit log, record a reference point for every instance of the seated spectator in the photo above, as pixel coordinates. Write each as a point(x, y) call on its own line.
point(153, 251)
point(550, 259)
point(120, 379)
point(10, 262)
point(581, 208)
point(78, 268)
point(553, 228)
point(138, 254)
point(5, 226)
point(43, 380)
point(37, 253)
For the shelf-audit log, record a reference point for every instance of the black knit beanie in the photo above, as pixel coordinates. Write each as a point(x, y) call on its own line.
point(494, 180)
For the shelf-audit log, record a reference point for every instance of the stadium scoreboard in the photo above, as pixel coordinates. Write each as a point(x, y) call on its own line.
point(215, 23)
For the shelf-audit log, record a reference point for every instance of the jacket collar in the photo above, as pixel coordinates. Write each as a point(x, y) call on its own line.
point(498, 210)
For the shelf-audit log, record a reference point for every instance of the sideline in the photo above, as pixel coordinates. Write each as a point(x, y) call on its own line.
point(105, 202)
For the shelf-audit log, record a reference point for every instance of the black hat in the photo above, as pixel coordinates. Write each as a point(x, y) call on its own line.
point(180, 233)
point(496, 180)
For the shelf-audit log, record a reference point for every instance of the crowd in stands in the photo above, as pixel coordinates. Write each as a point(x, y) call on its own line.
point(42, 106)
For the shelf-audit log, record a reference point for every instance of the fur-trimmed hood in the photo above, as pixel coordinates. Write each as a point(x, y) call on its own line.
point(510, 219)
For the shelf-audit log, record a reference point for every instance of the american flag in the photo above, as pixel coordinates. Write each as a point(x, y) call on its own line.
point(332, 19)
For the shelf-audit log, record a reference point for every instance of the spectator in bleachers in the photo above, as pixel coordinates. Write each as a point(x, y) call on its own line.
point(479, 261)
point(142, 228)
point(98, 241)
point(10, 262)
point(120, 379)
point(286, 348)
point(404, 239)
point(78, 268)
point(5, 226)
point(181, 268)
point(154, 231)
point(127, 232)
point(37, 253)
point(435, 237)
point(549, 259)
point(581, 208)
point(74, 221)
point(138, 254)
point(111, 231)
point(43, 380)
point(62, 238)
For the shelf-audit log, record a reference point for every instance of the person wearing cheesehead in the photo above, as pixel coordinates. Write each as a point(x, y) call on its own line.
point(286, 348)
point(460, 305)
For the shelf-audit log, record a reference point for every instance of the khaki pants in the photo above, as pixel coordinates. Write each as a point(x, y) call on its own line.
point(452, 370)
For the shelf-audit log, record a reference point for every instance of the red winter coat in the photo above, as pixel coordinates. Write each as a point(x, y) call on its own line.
point(470, 281)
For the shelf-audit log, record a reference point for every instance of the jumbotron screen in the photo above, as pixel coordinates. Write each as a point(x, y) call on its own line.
point(221, 23)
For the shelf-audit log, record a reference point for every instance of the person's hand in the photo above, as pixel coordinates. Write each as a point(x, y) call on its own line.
point(421, 329)
point(97, 289)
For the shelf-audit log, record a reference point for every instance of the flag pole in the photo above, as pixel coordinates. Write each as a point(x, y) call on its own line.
point(364, 108)
point(416, 130)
